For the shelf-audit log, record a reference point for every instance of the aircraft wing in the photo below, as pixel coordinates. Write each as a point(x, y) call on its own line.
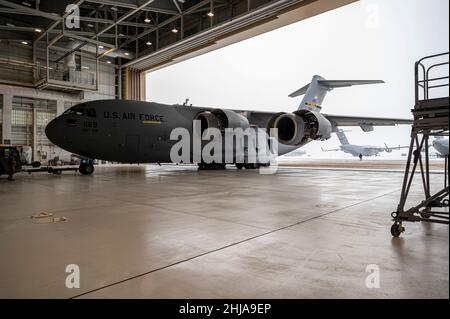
point(331, 150)
point(388, 148)
point(366, 123)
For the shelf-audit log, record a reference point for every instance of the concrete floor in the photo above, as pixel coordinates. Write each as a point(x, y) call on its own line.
point(175, 232)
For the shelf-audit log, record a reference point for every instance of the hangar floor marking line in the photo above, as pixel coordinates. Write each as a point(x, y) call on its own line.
point(231, 245)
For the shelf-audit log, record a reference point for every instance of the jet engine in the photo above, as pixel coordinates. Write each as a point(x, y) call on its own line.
point(296, 128)
point(221, 119)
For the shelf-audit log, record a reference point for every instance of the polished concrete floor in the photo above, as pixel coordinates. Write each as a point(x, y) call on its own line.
point(175, 232)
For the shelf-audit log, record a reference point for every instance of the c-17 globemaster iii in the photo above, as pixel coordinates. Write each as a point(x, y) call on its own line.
point(140, 132)
point(360, 150)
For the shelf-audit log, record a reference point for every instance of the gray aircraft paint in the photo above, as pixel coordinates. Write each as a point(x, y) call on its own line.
point(359, 150)
point(139, 132)
point(441, 145)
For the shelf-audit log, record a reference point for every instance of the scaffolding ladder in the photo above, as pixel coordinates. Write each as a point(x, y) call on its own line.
point(431, 119)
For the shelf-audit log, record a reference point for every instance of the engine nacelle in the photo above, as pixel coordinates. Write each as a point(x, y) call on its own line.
point(296, 128)
point(221, 119)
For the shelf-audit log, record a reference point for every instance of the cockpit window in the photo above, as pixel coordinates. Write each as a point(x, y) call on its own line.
point(82, 112)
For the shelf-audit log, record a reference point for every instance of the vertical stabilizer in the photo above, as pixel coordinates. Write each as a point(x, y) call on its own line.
point(316, 90)
point(342, 138)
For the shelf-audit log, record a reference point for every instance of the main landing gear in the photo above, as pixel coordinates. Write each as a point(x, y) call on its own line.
point(216, 166)
point(251, 165)
point(211, 166)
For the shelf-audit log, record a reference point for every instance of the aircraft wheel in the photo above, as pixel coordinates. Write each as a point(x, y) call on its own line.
point(397, 229)
point(57, 172)
point(86, 169)
point(251, 165)
point(239, 165)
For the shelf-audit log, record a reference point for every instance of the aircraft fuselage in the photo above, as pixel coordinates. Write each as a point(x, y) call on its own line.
point(130, 131)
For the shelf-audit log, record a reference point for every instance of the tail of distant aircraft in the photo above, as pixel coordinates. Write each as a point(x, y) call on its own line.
point(316, 90)
point(342, 138)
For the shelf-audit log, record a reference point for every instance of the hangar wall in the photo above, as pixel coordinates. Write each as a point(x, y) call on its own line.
point(25, 109)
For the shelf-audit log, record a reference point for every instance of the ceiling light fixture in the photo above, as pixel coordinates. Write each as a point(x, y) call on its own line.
point(24, 42)
point(38, 30)
point(210, 14)
point(126, 53)
point(109, 62)
point(175, 30)
point(101, 47)
point(148, 43)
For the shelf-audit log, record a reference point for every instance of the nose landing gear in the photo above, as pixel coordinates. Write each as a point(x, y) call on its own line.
point(86, 169)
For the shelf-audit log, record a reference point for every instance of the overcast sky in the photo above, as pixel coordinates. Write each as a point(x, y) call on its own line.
point(369, 39)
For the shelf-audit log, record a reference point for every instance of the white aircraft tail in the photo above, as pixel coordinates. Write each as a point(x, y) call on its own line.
point(342, 138)
point(316, 90)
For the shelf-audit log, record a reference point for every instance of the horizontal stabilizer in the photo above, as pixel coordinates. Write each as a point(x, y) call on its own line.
point(345, 83)
point(329, 85)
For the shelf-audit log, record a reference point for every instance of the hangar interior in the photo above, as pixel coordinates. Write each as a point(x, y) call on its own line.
point(228, 234)
point(46, 59)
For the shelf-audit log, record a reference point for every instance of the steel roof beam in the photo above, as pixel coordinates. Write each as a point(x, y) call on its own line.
point(165, 22)
point(133, 6)
point(126, 16)
point(106, 21)
point(31, 11)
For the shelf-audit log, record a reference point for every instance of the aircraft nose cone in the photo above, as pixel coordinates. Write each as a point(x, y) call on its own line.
point(53, 132)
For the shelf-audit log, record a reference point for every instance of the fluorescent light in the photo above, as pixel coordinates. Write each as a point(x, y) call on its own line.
point(101, 47)
point(25, 3)
point(210, 14)
point(148, 43)
point(90, 25)
point(126, 53)
point(10, 25)
point(38, 30)
point(113, 8)
point(24, 42)
point(175, 30)
point(109, 62)
point(147, 20)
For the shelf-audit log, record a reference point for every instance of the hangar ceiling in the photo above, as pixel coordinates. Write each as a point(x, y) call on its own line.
point(147, 34)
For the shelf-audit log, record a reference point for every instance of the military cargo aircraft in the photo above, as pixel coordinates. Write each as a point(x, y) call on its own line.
point(440, 144)
point(360, 150)
point(139, 132)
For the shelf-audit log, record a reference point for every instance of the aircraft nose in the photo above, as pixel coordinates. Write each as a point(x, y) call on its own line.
point(53, 131)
